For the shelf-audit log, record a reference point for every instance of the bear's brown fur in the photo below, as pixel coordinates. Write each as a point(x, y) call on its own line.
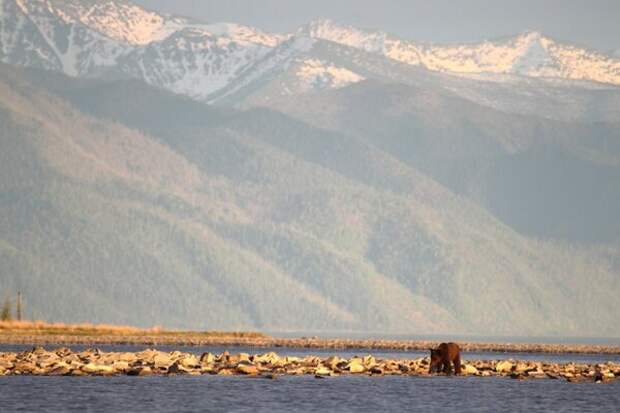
point(443, 356)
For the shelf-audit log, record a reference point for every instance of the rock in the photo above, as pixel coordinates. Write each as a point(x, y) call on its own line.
point(145, 371)
point(247, 369)
point(537, 374)
point(97, 369)
point(47, 360)
point(189, 361)
point(24, 367)
point(505, 366)
point(403, 368)
point(63, 352)
point(90, 368)
point(60, 371)
point(310, 361)
point(323, 371)
point(469, 370)
point(341, 365)
point(161, 361)
point(369, 361)
point(207, 358)
point(376, 370)
point(332, 362)
point(268, 358)
point(140, 371)
point(128, 357)
point(121, 366)
point(38, 350)
point(391, 365)
point(236, 358)
point(522, 367)
point(225, 372)
point(355, 367)
point(72, 359)
point(177, 368)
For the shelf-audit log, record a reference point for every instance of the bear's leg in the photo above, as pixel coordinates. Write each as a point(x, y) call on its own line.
point(457, 364)
point(447, 367)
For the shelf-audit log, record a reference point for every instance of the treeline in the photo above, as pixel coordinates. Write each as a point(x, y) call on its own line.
point(6, 313)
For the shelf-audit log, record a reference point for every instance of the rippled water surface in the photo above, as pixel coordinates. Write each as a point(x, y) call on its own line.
point(301, 394)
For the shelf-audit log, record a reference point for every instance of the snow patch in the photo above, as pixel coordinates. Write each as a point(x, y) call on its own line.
point(244, 35)
point(317, 75)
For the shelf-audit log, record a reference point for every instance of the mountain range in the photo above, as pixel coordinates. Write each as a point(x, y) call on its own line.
point(117, 38)
point(161, 170)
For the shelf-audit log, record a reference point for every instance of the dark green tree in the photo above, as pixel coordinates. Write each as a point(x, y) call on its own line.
point(18, 306)
point(5, 312)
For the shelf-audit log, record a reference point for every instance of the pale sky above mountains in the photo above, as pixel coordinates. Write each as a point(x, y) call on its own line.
point(592, 23)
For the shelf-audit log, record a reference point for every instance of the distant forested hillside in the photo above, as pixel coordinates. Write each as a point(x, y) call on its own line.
point(123, 203)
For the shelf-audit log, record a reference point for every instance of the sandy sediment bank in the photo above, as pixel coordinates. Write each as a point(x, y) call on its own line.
point(261, 341)
point(93, 362)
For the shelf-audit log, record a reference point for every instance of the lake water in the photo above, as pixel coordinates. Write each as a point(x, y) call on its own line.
point(305, 393)
point(302, 394)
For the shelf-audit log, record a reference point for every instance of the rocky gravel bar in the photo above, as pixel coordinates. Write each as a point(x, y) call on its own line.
point(262, 341)
point(94, 362)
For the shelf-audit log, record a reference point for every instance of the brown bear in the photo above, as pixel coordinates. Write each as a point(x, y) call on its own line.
point(443, 356)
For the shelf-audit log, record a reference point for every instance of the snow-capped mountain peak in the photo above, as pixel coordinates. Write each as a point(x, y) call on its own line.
point(326, 29)
point(128, 23)
point(118, 20)
point(530, 54)
point(88, 37)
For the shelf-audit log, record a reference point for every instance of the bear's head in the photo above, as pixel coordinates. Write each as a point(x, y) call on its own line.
point(436, 359)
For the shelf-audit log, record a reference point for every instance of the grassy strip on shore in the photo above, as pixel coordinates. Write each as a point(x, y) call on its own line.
point(40, 333)
point(43, 329)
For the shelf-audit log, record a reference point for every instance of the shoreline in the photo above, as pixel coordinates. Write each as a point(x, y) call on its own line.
point(261, 341)
point(150, 362)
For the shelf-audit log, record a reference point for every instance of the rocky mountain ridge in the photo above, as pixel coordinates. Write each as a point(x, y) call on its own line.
point(199, 59)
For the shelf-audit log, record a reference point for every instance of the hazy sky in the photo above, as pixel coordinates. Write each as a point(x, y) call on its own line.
point(593, 23)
